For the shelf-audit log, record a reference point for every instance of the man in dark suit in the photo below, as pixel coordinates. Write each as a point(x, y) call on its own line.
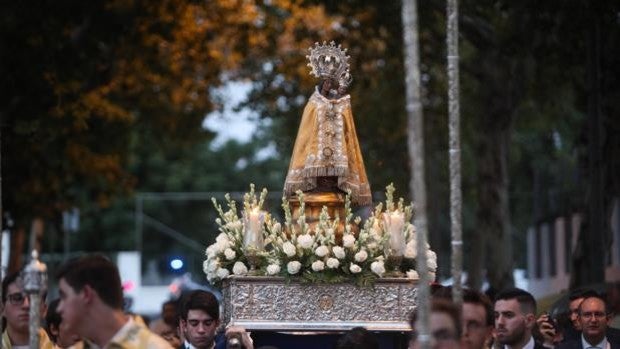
point(200, 319)
point(515, 319)
point(593, 318)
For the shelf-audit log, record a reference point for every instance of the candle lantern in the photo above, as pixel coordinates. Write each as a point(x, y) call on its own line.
point(253, 242)
point(35, 281)
point(394, 223)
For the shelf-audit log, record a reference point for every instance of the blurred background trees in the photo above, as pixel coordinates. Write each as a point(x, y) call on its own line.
point(102, 100)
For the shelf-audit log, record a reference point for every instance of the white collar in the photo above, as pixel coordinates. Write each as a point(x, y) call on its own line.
point(528, 345)
point(188, 345)
point(122, 333)
point(604, 344)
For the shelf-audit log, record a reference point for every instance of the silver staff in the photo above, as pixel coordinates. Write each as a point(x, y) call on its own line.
point(35, 280)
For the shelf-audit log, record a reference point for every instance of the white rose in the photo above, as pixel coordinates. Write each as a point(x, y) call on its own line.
point(430, 254)
point(411, 249)
point(412, 274)
point(432, 265)
point(361, 256)
point(213, 265)
point(222, 237)
point(338, 252)
point(293, 267)
point(332, 263)
point(218, 221)
point(348, 240)
point(230, 254)
point(378, 268)
point(354, 268)
point(318, 266)
point(211, 251)
point(276, 227)
point(432, 277)
point(321, 251)
point(431, 260)
point(305, 241)
point(273, 269)
point(289, 249)
point(240, 269)
point(222, 273)
point(222, 245)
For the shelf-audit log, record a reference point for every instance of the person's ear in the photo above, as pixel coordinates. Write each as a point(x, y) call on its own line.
point(54, 330)
point(88, 293)
point(530, 320)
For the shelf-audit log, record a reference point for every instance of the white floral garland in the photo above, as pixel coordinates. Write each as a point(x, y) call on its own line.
point(293, 251)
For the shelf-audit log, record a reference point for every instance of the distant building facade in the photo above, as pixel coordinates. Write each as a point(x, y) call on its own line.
point(549, 268)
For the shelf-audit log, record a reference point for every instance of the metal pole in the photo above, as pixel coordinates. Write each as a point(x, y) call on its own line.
point(452, 41)
point(415, 142)
point(35, 280)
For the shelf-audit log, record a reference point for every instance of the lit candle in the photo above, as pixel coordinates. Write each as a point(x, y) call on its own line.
point(253, 236)
point(394, 222)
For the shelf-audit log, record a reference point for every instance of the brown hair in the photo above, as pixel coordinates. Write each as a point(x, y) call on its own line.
point(442, 305)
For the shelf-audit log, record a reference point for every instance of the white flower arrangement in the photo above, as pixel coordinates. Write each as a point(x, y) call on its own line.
point(293, 251)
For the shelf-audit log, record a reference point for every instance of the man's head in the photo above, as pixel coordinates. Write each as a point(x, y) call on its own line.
point(593, 318)
point(86, 282)
point(57, 332)
point(445, 325)
point(574, 300)
point(169, 312)
point(478, 320)
point(477, 316)
point(515, 317)
point(357, 338)
point(200, 314)
point(16, 304)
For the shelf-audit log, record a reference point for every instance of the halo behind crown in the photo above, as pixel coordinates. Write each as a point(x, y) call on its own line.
point(329, 61)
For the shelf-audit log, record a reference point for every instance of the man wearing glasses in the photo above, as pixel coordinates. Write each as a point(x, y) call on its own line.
point(593, 318)
point(444, 325)
point(16, 312)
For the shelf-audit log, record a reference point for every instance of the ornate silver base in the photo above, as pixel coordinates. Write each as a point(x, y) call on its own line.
point(266, 303)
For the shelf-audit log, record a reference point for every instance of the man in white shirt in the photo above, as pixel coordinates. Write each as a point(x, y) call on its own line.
point(593, 318)
point(515, 318)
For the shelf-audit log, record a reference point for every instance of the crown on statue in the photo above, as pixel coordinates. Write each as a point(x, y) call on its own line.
point(329, 61)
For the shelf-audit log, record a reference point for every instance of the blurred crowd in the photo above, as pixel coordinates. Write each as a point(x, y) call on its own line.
point(89, 313)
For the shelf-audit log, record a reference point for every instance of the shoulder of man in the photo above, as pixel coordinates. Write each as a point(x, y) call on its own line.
point(613, 332)
point(220, 341)
point(570, 344)
point(613, 337)
point(152, 341)
point(539, 345)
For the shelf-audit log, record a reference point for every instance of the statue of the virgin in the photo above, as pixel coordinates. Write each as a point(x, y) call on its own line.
point(327, 156)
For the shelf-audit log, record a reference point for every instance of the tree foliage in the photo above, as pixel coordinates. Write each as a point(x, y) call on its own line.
point(103, 97)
